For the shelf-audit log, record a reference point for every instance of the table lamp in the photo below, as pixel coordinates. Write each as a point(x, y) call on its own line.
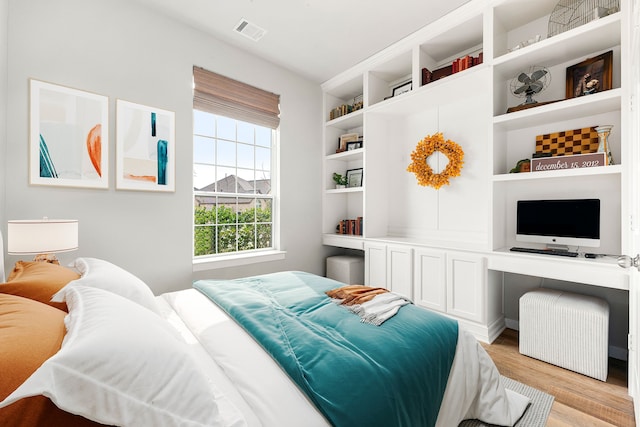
point(44, 237)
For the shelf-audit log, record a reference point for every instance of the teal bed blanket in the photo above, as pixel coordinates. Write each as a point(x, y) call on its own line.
point(355, 373)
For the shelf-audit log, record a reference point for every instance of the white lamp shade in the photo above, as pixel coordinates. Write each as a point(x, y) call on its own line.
point(42, 236)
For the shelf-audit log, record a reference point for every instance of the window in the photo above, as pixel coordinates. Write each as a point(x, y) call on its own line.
point(234, 139)
point(233, 197)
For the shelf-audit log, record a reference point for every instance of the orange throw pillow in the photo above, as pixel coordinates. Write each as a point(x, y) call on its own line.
point(33, 332)
point(38, 281)
point(30, 333)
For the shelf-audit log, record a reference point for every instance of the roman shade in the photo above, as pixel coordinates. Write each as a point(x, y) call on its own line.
point(221, 95)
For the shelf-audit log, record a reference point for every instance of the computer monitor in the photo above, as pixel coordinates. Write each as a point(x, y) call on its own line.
point(570, 222)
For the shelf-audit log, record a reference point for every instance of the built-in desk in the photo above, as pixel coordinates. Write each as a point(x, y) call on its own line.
point(469, 285)
point(603, 271)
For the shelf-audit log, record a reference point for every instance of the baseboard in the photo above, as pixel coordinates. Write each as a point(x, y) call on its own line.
point(618, 353)
point(484, 333)
point(496, 328)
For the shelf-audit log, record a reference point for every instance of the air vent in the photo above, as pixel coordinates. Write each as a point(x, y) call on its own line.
point(250, 30)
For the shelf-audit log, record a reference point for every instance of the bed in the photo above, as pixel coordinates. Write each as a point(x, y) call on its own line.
point(91, 345)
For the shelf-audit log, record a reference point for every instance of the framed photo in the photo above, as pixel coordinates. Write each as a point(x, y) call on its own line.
point(590, 76)
point(354, 145)
point(145, 148)
point(68, 137)
point(344, 139)
point(354, 177)
point(403, 88)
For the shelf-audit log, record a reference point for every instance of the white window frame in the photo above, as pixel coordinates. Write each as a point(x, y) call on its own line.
point(246, 257)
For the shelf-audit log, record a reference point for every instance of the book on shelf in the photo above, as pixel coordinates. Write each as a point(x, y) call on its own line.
point(426, 76)
point(441, 72)
point(340, 111)
point(457, 65)
point(351, 227)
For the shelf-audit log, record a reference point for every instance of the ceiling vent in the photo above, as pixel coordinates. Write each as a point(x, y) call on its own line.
point(250, 30)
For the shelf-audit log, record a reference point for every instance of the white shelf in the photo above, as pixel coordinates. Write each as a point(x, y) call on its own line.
point(580, 42)
point(345, 190)
point(348, 121)
point(560, 111)
point(530, 176)
point(343, 241)
point(347, 155)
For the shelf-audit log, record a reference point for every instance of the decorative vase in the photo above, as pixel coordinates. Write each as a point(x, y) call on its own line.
point(603, 141)
point(340, 186)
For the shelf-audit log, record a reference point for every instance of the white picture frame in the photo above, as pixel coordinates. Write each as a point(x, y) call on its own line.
point(68, 136)
point(145, 148)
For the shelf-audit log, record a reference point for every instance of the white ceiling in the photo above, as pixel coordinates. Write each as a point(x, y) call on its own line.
point(315, 38)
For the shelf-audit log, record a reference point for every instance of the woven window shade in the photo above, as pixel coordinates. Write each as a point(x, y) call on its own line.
point(221, 95)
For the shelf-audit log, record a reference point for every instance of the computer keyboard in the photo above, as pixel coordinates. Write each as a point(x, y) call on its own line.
point(545, 251)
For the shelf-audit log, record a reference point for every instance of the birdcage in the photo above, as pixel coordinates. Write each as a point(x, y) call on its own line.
point(569, 14)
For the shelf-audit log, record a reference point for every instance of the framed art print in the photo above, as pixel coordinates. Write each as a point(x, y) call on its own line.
point(590, 76)
point(145, 148)
point(68, 137)
point(344, 140)
point(354, 177)
point(403, 88)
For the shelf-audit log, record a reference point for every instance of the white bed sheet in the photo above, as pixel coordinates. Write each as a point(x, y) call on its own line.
point(264, 393)
point(208, 365)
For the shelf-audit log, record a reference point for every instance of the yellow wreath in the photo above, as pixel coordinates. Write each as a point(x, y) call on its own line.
point(429, 145)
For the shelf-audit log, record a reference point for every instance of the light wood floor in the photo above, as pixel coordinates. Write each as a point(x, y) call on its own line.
point(579, 400)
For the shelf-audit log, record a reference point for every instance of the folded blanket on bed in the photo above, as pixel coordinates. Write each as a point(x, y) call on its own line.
point(373, 305)
point(380, 308)
point(354, 294)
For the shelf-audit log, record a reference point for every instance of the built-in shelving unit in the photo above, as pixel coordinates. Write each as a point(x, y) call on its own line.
point(386, 122)
point(475, 214)
point(514, 133)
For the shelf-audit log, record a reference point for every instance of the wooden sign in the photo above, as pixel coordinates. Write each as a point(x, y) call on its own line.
point(577, 161)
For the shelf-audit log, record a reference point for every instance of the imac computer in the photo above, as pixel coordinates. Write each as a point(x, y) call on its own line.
point(557, 223)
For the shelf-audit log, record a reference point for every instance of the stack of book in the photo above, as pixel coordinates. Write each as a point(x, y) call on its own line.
point(340, 111)
point(350, 226)
point(456, 66)
point(466, 62)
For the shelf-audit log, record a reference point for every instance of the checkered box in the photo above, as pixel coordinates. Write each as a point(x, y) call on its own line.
point(568, 142)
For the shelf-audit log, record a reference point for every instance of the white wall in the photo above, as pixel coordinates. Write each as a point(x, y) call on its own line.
point(120, 49)
point(4, 17)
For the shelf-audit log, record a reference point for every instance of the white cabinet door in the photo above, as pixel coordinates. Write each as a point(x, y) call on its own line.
point(399, 271)
point(430, 286)
point(375, 264)
point(466, 286)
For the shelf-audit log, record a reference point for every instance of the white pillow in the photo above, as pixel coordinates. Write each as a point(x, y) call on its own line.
point(97, 273)
point(123, 365)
